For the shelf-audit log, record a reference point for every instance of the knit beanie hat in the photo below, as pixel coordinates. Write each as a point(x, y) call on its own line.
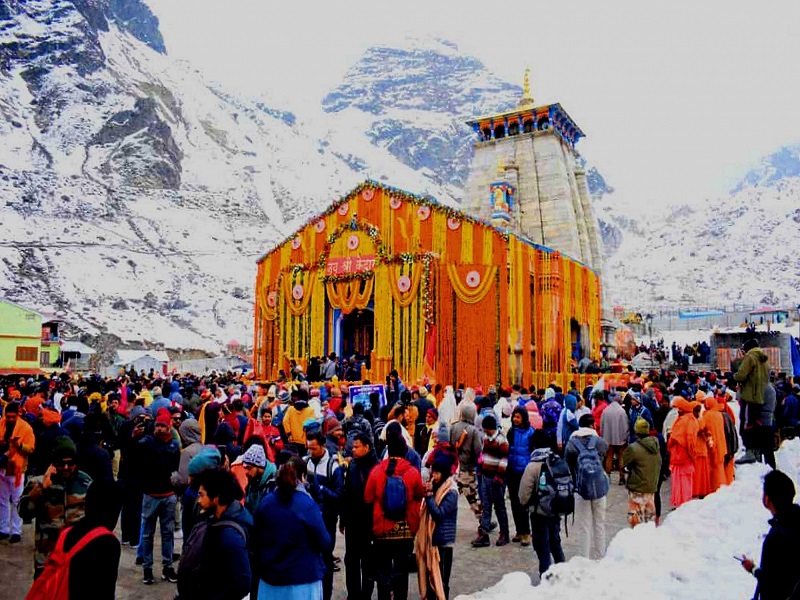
point(443, 432)
point(443, 464)
point(489, 422)
point(255, 456)
point(433, 413)
point(641, 427)
point(163, 417)
point(64, 447)
point(330, 424)
point(208, 458)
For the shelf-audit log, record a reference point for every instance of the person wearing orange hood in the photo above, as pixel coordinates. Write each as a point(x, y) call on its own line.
point(714, 426)
point(16, 445)
point(701, 483)
point(682, 449)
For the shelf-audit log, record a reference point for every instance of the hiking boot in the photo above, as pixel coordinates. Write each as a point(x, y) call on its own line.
point(517, 538)
point(139, 561)
point(482, 540)
point(747, 458)
point(3, 536)
point(502, 540)
point(148, 578)
point(525, 541)
point(169, 574)
point(15, 539)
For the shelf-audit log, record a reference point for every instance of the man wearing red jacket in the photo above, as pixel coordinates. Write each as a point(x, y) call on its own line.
point(394, 539)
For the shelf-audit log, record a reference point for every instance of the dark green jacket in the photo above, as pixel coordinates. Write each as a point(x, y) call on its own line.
point(753, 374)
point(643, 461)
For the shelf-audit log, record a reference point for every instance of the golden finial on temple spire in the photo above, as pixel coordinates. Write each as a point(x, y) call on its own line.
point(527, 99)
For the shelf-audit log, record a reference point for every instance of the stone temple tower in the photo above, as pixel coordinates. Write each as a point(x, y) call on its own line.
point(526, 176)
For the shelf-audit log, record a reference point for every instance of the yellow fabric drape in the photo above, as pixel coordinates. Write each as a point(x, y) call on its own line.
point(318, 318)
point(262, 293)
point(347, 295)
point(297, 307)
point(488, 246)
point(468, 295)
point(466, 242)
point(404, 299)
point(383, 310)
point(440, 233)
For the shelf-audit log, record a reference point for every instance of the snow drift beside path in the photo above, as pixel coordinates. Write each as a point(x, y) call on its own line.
point(689, 556)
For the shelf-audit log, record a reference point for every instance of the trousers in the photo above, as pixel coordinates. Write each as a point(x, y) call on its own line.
point(493, 495)
point(519, 513)
point(10, 521)
point(357, 564)
point(590, 521)
point(160, 510)
point(546, 540)
point(391, 568)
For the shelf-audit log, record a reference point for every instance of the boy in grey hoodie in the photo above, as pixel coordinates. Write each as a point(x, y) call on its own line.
point(466, 439)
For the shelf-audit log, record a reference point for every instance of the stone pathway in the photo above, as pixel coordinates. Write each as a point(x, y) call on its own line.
point(473, 569)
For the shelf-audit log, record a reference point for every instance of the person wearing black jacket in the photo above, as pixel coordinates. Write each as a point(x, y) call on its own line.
point(93, 570)
point(93, 458)
point(778, 576)
point(159, 456)
point(129, 435)
point(356, 520)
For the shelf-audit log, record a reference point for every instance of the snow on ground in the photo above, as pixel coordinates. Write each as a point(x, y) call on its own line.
point(690, 556)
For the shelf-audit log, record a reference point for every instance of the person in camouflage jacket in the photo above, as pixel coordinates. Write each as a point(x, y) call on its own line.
point(56, 500)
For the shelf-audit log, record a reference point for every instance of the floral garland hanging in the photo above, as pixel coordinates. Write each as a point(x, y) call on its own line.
point(397, 197)
point(475, 287)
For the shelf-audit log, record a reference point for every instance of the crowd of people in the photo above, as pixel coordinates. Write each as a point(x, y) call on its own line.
point(253, 479)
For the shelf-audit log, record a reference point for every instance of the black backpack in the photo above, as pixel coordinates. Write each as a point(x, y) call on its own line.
point(555, 493)
point(190, 565)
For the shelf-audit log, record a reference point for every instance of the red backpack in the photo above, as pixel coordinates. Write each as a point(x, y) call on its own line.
point(53, 583)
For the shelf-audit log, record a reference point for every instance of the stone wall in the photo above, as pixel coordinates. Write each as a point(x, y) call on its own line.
point(552, 203)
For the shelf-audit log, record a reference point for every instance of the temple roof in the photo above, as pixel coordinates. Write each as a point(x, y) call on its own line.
point(417, 199)
point(547, 109)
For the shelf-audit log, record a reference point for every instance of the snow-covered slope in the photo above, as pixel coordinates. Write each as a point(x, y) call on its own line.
point(741, 248)
point(690, 556)
point(136, 197)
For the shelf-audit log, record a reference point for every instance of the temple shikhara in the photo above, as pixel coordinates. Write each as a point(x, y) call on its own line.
point(505, 290)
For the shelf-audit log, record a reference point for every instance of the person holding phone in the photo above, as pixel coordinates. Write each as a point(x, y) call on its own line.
point(16, 445)
point(778, 576)
point(56, 500)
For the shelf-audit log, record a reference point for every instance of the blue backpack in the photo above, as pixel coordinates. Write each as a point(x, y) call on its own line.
point(394, 494)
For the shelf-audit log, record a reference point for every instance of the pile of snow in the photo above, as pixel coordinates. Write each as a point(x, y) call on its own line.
point(690, 556)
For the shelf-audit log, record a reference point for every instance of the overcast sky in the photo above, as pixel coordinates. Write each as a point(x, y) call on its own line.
point(677, 98)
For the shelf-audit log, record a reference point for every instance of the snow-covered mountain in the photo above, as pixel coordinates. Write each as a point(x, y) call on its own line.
point(135, 196)
point(736, 249)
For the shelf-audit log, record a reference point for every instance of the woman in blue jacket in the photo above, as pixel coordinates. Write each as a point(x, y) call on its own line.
point(520, 446)
point(290, 540)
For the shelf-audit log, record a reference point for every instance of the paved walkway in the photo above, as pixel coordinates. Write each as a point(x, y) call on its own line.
point(473, 569)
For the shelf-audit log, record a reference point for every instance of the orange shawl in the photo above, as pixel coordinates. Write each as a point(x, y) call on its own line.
point(714, 425)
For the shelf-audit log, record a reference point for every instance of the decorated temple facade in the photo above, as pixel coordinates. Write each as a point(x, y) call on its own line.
point(414, 285)
point(532, 150)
